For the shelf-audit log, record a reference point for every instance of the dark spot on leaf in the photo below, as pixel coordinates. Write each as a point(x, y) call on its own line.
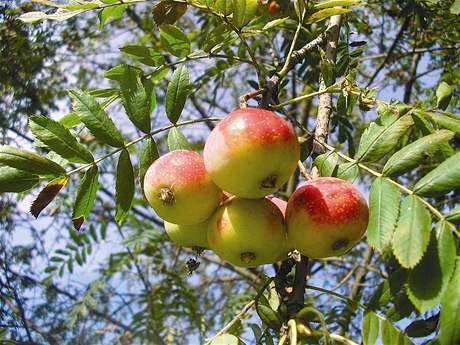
point(78, 222)
point(47, 195)
point(168, 12)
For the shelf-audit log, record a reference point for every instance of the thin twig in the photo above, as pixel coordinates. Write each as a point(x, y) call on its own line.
point(237, 317)
point(303, 171)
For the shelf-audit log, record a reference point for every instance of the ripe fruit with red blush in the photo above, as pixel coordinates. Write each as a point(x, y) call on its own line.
point(248, 233)
point(273, 7)
point(326, 217)
point(251, 153)
point(180, 190)
point(194, 235)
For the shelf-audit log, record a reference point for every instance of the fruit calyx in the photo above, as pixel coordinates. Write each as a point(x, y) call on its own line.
point(269, 181)
point(247, 257)
point(339, 244)
point(166, 195)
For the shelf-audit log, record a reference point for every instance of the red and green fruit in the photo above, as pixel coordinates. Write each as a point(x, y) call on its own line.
point(326, 217)
point(251, 153)
point(194, 235)
point(180, 190)
point(273, 7)
point(248, 233)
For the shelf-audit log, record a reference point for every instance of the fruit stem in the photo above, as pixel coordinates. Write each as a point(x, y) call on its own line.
point(247, 96)
point(303, 171)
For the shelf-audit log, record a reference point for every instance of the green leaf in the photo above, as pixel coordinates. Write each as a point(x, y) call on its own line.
point(124, 187)
point(136, 98)
point(32, 16)
point(59, 15)
point(95, 118)
point(348, 171)
point(177, 141)
point(147, 155)
point(327, 68)
point(274, 23)
point(70, 120)
point(422, 328)
point(176, 93)
point(384, 200)
point(412, 232)
point(29, 162)
point(444, 95)
point(451, 122)
point(442, 179)
point(420, 121)
point(243, 12)
point(217, 37)
point(269, 316)
point(333, 3)
point(450, 311)
point(447, 252)
point(86, 195)
point(392, 335)
point(411, 155)
point(143, 54)
point(370, 328)
point(175, 40)
point(224, 7)
point(454, 216)
point(382, 136)
point(424, 293)
point(326, 163)
point(116, 73)
point(111, 13)
point(326, 13)
point(225, 339)
point(168, 12)
point(59, 139)
point(15, 181)
point(455, 8)
point(47, 195)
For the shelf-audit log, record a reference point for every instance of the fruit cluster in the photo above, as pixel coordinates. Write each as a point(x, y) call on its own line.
point(221, 201)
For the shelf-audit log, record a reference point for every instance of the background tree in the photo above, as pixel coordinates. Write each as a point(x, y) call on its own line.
point(327, 67)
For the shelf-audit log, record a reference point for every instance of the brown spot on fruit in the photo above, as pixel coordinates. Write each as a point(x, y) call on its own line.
point(339, 244)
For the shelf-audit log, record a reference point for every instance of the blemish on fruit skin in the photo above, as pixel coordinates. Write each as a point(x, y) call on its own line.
point(329, 201)
point(221, 224)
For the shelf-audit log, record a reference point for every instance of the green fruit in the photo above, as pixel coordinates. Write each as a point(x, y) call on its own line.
point(180, 190)
point(188, 235)
point(248, 233)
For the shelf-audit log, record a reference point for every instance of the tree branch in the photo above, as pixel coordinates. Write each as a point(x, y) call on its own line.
point(390, 51)
point(325, 99)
